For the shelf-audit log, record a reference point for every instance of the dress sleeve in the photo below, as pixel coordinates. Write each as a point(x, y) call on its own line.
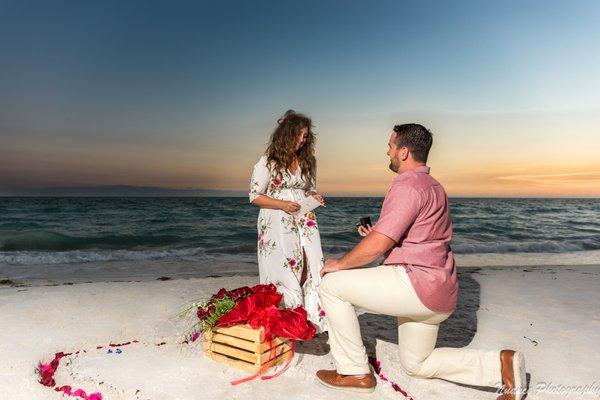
point(260, 179)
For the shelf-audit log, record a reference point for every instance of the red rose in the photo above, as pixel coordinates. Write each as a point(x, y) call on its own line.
point(211, 310)
point(47, 370)
point(310, 223)
point(219, 295)
point(239, 293)
point(47, 379)
point(292, 262)
point(276, 182)
point(202, 313)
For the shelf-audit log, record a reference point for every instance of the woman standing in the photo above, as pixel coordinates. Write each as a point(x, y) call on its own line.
point(289, 246)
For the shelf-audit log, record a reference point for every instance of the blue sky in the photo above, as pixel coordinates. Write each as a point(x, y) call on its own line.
point(185, 94)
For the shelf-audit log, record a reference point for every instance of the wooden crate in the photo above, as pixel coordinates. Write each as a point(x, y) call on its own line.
point(245, 348)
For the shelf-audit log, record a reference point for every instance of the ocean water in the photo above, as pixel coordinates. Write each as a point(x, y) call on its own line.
point(40, 236)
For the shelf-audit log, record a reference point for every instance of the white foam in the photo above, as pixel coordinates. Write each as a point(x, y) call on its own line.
point(81, 256)
point(548, 246)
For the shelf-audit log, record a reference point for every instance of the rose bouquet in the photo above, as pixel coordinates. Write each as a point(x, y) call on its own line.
point(208, 313)
point(257, 306)
point(259, 309)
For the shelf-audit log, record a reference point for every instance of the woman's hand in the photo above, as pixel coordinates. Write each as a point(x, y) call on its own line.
point(289, 206)
point(362, 231)
point(317, 196)
point(320, 199)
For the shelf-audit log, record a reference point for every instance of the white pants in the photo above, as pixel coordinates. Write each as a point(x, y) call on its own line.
point(387, 290)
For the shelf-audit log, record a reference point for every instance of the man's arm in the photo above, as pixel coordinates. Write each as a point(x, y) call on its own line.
point(400, 209)
point(373, 246)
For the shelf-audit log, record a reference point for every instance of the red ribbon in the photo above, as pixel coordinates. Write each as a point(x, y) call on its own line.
point(287, 363)
point(260, 310)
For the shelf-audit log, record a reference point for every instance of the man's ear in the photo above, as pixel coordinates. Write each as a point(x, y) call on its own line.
point(404, 153)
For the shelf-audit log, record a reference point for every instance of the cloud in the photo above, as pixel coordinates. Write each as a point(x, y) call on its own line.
point(587, 177)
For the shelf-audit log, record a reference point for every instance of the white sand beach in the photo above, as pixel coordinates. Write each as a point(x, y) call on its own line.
point(552, 314)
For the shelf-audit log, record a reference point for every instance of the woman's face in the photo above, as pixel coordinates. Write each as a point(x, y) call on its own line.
point(302, 135)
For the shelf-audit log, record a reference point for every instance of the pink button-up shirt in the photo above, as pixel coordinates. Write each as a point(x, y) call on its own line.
point(416, 215)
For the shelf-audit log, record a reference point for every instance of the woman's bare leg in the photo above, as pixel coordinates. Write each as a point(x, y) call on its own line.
point(304, 275)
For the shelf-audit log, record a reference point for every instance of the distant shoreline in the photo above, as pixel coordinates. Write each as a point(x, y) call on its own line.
point(157, 191)
point(244, 196)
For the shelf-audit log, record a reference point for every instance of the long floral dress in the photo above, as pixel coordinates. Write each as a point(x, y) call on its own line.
point(283, 237)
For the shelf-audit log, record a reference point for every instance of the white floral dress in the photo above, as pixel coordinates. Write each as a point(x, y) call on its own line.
point(283, 237)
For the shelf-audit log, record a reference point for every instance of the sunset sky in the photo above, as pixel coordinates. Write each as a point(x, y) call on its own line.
point(185, 94)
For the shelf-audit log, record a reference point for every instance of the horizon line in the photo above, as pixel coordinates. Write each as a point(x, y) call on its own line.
point(594, 197)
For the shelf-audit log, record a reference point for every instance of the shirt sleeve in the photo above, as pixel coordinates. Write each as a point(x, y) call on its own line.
point(260, 179)
point(399, 211)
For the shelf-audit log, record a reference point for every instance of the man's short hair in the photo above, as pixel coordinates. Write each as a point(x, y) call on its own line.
point(416, 138)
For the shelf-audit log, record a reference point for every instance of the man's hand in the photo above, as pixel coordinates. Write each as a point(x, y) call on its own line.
point(362, 231)
point(331, 265)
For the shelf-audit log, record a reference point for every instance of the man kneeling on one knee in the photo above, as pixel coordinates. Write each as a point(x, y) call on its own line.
point(417, 283)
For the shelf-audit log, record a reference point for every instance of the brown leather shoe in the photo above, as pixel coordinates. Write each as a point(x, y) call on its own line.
point(356, 383)
point(512, 368)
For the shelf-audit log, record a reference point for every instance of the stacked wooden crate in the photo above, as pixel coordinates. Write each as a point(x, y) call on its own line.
point(245, 348)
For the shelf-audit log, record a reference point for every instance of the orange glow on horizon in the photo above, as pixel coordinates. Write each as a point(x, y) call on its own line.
point(490, 155)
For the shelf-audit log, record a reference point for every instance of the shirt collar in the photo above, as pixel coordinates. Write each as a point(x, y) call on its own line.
point(423, 169)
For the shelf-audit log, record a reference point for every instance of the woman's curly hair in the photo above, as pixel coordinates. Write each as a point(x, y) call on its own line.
point(282, 143)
